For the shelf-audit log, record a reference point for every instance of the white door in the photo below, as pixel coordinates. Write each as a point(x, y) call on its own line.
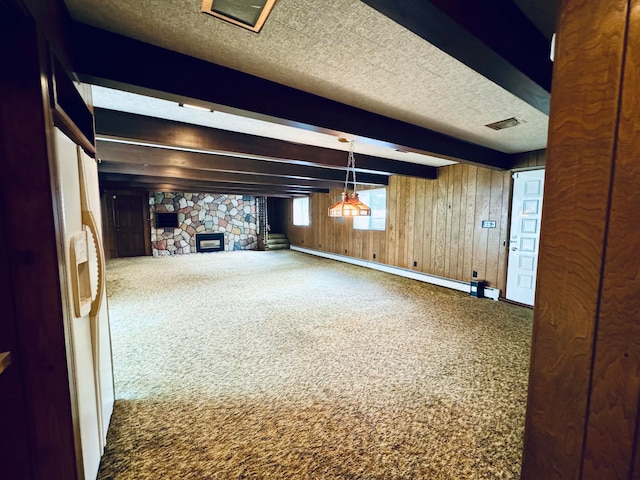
point(524, 241)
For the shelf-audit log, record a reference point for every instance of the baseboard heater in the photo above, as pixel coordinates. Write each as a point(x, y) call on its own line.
point(493, 293)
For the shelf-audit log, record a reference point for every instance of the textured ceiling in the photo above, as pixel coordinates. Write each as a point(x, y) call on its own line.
point(339, 49)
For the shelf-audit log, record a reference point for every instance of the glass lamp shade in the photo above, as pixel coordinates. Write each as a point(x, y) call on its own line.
point(349, 206)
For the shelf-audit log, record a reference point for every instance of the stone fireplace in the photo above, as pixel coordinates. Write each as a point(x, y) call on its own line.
point(232, 217)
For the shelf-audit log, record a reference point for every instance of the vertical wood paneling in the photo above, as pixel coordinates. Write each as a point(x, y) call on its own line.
point(435, 223)
point(494, 247)
point(392, 228)
point(439, 246)
point(580, 154)
point(613, 407)
point(401, 232)
point(455, 204)
point(418, 221)
point(428, 216)
point(480, 235)
point(409, 221)
point(470, 219)
point(462, 239)
point(504, 226)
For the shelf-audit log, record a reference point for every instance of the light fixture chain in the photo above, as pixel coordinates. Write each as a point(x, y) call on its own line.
point(352, 160)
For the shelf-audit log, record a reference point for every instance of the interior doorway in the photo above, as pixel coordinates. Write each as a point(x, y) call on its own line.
point(126, 224)
point(524, 240)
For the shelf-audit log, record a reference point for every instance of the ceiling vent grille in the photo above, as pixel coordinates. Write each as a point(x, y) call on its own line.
point(250, 14)
point(507, 123)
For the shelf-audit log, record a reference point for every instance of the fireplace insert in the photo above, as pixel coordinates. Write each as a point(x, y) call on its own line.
point(209, 242)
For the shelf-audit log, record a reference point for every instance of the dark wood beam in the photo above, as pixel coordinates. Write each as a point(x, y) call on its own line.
point(493, 37)
point(215, 176)
point(112, 60)
point(159, 183)
point(136, 155)
point(129, 126)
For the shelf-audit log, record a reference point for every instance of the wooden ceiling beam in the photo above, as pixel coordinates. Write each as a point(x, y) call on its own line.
point(493, 37)
point(113, 181)
point(111, 60)
point(129, 126)
point(136, 155)
point(215, 176)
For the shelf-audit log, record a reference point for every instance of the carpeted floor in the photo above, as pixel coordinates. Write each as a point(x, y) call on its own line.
point(280, 365)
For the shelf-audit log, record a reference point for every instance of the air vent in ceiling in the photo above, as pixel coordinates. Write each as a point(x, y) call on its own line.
point(507, 123)
point(250, 14)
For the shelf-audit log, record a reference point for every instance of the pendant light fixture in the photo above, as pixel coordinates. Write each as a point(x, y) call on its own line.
point(350, 205)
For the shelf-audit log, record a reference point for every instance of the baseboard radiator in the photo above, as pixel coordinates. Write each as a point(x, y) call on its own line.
point(489, 292)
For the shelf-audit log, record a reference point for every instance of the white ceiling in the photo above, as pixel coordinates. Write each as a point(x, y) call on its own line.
point(339, 49)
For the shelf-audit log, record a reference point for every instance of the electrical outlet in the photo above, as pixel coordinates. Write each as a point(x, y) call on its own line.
point(474, 274)
point(415, 264)
point(374, 256)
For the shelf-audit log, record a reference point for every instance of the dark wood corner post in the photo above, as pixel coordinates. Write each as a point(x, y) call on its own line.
point(582, 417)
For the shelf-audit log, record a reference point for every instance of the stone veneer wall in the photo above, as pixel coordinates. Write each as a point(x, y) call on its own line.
point(234, 215)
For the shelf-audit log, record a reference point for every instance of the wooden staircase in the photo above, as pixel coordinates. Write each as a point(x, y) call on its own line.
point(277, 241)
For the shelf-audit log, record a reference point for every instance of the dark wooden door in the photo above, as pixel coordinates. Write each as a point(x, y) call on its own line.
point(129, 216)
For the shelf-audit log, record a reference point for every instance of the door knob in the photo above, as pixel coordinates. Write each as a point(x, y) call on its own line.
point(514, 249)
point(5, 361)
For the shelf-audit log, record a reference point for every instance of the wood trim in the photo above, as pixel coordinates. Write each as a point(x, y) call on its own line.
point(115, 61)
point(433, 223)
point(39, 313)
point(580, 158)
point(614, 402)
point(520, 64)
point(129, 126)
point(133, 156)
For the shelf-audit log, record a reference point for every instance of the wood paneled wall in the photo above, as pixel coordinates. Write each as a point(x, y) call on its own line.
point(529, 160)
point(434, 223)
point(583, 412)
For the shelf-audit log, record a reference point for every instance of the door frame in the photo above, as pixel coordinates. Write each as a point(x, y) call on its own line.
point(109, 223)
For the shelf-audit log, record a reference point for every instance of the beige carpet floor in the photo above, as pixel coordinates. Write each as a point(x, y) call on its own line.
point(280, 365)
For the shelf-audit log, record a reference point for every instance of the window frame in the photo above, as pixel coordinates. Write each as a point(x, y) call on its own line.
point(374, 219)
point(306, 215)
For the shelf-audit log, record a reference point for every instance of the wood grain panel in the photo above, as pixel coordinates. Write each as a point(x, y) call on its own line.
point(615, 388)
point(494, 241)
point(439, 246)
point(470, 220)
point(419, 221)
point(429, 222)
point(481, 211)
point(409, 222)
point(453, 219)
point(504, 225)
point(587, 76)
point(435, 223)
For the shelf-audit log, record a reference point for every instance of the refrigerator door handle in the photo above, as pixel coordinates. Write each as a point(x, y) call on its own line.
point(89, 220)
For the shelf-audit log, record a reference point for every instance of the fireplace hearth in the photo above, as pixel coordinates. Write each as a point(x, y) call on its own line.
point(209, 242)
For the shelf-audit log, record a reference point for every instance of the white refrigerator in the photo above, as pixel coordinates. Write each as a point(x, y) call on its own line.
point(83, 271)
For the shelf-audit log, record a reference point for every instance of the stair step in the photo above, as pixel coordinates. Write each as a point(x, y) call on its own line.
point(279, 246)
point(277, 235)
point(277, 241)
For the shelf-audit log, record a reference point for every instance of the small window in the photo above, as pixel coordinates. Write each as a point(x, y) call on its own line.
point(301, 211)
point(376, 199)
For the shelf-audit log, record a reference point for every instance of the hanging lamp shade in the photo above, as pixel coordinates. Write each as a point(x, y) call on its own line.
point(350, 205)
